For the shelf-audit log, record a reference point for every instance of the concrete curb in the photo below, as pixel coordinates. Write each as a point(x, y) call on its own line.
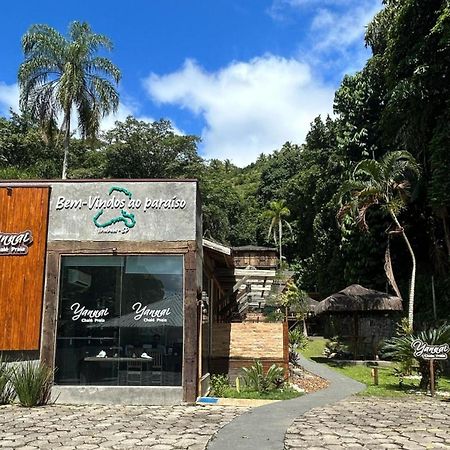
point(264, 428)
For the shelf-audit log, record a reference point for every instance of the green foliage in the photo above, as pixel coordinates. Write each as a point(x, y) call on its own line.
point(382, 184)
point(273, 315)
point(219, 384)
point(297, 343)
point(294, 300)
point(138, 149)
point(59, 74)
point(399, 348)
point(338, 348)
point(7, 393)
point(297, 339)
point(32, 383)
point(24, 153)
point(255, 379)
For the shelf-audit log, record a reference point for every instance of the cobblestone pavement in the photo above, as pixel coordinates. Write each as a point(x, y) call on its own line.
point(111, 427)
point(373, 424)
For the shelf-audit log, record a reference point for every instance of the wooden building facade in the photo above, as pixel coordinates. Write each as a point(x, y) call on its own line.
point(102, 280)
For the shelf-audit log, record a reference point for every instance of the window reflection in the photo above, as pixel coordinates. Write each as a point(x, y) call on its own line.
point(120, 320)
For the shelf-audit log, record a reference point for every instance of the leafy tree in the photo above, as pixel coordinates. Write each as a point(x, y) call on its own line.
point(60, 74)
point(276, 169)
point(138, 149)
point(410, 40)
point(294, 300)
point(24, 153)
point(383, 183)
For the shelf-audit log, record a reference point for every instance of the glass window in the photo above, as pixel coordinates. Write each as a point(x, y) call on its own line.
point(120, 320)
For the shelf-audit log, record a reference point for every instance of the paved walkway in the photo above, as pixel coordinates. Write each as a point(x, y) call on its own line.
point(264, 428)
point(373, 424)
point(65, 427)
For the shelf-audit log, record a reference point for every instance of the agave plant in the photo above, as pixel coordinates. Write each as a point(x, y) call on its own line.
point(400, 349)
point(33, 383)
point(7, 393)
point(255, 378)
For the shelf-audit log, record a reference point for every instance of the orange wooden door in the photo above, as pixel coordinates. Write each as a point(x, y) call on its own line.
point(22, 276)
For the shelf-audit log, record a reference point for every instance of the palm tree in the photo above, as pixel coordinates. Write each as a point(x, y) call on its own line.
point(384, 183)
point(60, 76)
point(277, 210)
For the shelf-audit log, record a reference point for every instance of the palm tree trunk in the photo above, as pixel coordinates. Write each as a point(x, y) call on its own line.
point(280, 234)
point(412, 284)
point(66, 143)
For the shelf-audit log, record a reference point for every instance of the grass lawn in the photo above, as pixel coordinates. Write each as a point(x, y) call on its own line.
point(388, 383)
point(275, 394)
point(315, 347)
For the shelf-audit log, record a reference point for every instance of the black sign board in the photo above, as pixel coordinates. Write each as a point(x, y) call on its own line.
point(15, 244)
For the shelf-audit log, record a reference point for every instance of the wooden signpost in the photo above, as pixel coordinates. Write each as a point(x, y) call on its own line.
point(432, 387)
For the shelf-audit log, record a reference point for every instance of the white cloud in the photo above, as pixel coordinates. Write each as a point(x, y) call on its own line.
point(9, 98)
point(335, 41)
point(281, 10)
point(249, 107)
point(338, 30)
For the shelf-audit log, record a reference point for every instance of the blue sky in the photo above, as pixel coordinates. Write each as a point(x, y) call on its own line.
point(244, 75)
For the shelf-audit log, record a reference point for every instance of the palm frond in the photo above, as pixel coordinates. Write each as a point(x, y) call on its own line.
point(369, 167)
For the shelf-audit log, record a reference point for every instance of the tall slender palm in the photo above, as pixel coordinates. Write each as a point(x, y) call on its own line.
point(276, 213)
point(60, 76)
point(384, 183)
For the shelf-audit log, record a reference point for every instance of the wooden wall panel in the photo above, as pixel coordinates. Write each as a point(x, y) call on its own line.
point(22, 277)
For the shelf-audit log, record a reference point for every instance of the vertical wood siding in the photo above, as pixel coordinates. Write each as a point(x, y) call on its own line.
point(22, 277)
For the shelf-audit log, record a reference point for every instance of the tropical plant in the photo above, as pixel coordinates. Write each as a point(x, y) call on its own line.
point(59, 75)
point(255, 378)
point(337, 349)
point(294, 301)
point(383, 183)
point(400, 349)
point(406, 360)
point(33, 383)
point(297, 341)
point(7, 393)
point(297, 338)
point(276, 213)
point(219, 384)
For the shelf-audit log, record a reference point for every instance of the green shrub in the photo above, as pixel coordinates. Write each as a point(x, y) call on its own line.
point(297, 339)
point(399, 348)
point(256, 380)
point(219, 384)
point(33, 383)
point(406, 358)
point(337, 349)
point(7, 393)
point(274, 316)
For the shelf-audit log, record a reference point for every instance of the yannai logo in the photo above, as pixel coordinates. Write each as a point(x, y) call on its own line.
point(427, 351)
point(15, 244)
point(84, 314)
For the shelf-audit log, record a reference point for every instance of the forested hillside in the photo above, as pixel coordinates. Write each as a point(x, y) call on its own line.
point(400, 100)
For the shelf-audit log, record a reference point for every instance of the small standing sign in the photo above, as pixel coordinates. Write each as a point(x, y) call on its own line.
point(430, 352)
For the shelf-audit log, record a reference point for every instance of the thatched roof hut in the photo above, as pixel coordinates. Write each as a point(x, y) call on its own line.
point(362, 316)
point(357, 298)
